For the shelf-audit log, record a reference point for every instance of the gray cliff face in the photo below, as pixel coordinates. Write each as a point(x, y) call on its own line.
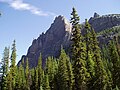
point(49, 44)
point(100, 23)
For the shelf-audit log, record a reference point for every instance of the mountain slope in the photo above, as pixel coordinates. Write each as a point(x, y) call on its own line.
point(49, 44)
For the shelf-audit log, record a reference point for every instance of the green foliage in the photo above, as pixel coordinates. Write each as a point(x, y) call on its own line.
point(40, 71)
point(13, 55)
point(90, 64)
point(78, 54)
point(5, 65)
point(50, 70)
point(101, 78)
point(62, 71)
point(107, 64)
point(21, 75)
point(13, 62)
point(115, 59)
point(46, 83)
point(36, 79)
point(9, 83)
point(70, 74)
point(116, 88)
point(110, 32)
point(27, 74)
point(5, 61)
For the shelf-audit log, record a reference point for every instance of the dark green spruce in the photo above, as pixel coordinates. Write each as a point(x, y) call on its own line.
point(78, 54)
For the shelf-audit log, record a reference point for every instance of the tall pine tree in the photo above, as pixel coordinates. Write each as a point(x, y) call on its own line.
point(78, 54)
point(89, 54)
point(115, 59)
point(70, 74)
point(40, 71)
point(51, 70)
point(101, 78)
point(27, 76)
point(63, 72)
point(46, 83)
point(13, 62)
point(5, 68)
point(21, 72)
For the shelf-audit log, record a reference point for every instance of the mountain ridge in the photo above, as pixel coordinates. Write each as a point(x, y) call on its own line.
point(59, 34)
point(103, 22)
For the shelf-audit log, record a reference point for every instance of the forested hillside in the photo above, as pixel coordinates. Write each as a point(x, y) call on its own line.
point(88, 67)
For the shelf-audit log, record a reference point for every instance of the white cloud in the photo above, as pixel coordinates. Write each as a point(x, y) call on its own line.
point(20, 5)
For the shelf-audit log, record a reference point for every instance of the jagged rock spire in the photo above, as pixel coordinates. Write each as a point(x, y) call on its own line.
point(96, 15)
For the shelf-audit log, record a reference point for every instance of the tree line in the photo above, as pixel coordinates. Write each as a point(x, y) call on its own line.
point(88, 68)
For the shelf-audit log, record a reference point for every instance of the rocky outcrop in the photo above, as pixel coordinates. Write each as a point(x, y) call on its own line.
point(96, 15)
point(49, 44)
point(100, 23)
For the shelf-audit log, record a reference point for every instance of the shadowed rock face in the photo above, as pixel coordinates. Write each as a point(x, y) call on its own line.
point(59, 34)
point(100, 23)
point(49, 44)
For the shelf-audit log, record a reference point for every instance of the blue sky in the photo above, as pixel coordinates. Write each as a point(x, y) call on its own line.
point(25, 20)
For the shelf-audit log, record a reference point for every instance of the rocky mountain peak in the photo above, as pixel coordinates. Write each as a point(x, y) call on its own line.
point(61, 20)
point(49, 44)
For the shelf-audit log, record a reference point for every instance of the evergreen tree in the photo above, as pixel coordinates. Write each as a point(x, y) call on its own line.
point(114, 57)
point(5, 65)
point(78, 54)
point(9, 82)
point(107, 63)
point(17, 80)
point(90, 64)
point(32, 76)
point(101, 78)
point(91, 71)
point(87, 37)
point(70, 74)
point(5, 61)
point(62, 71)
point(46, 83)
point(22, 74)
point(27, 74)
point(36, 79)
point(40, 71)
point(55, 79)
point(13, 66)
point(50, 69)
point(116, 39)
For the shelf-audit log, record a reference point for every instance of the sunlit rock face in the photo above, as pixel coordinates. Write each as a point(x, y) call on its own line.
point(49, 44)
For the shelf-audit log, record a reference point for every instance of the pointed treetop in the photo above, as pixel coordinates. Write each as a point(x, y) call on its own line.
point(87, 25)
point(74, 17)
